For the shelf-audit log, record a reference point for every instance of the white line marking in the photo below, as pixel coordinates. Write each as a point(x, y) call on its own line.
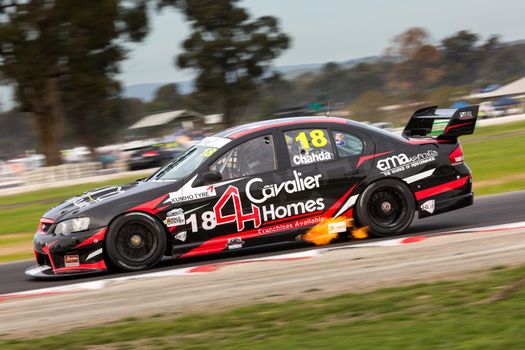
point(95, 253)
point(419, 176)
point(510, 226)
point(349, 202)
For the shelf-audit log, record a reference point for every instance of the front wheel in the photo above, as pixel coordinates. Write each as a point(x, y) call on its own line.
point(386, 207)
point(135, 241)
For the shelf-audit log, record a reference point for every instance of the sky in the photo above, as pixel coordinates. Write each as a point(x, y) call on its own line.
point(327, 30)
point(333, 30)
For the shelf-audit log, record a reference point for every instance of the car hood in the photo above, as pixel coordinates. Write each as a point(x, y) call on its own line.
point(105, 202)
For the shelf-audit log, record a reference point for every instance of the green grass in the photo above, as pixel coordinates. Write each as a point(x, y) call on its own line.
point(507, 186)
point(15, 238)
point(58, 194)
point(496, 158)
point(16, 256)
point(495, 130)
point(23, 218)
point(443, 315)
point(497, 153)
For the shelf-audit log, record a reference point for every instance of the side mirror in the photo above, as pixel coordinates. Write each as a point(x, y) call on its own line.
point(210, 177)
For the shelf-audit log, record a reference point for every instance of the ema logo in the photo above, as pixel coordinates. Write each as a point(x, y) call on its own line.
point(393, 162)
point(400, 162)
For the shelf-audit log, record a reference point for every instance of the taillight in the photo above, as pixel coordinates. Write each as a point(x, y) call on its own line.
point(150, 154)
point(456, 157)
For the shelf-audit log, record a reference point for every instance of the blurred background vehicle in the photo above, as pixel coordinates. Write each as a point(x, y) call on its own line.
point(153, 156)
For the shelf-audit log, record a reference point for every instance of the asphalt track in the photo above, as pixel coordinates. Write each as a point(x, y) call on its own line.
point(488, 210)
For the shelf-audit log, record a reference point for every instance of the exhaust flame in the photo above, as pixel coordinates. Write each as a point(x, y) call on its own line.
point(326, 231)
point(360, 233)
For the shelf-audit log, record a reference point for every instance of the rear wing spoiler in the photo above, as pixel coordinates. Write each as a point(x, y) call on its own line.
point(443, 123)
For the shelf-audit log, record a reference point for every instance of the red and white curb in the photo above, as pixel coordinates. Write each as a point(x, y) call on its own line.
point(212, 267)
point(501, 227)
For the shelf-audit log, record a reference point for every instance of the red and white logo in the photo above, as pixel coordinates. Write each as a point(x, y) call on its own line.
point(239, 216)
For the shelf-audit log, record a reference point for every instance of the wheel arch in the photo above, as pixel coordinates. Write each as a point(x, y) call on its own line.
point(367, 184)
point(154, 216)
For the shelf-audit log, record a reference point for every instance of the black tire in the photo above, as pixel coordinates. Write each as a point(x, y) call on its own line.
point(386, 207)
point(135, 241)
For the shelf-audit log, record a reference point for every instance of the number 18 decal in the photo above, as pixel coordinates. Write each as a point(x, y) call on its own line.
point(210, 219)
point(207, 218)
point(316, 136)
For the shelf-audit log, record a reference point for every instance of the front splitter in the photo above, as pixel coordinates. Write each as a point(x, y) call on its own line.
point(45, 271)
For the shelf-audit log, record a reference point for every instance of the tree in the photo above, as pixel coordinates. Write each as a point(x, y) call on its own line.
point(408, 43)
point(228, 51)
point(461, 57)
point(502, 62)
point(420, 66)
point(166, 98)
point(61, 56)
point(443, 96)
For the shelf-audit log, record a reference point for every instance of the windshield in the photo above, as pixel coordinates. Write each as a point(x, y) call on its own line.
point(188, 161)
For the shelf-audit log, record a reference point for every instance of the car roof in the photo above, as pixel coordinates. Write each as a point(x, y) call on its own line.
point(246, 129)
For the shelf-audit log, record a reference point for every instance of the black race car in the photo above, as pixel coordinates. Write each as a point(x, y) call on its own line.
point(260, 184)
point(153, 156)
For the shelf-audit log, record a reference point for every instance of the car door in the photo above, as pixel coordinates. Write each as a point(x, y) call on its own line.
point(232, 215)
point(349, 169)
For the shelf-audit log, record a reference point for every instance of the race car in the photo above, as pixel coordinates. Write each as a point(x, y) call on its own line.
point(260, 184)
point(153, 156)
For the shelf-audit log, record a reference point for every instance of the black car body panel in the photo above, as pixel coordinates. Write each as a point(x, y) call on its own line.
point(318, 168)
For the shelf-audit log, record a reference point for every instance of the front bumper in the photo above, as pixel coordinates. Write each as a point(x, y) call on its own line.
point(75, 254)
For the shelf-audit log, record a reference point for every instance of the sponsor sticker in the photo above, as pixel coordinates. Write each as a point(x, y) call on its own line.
point(298, 184)
point(213, 141)
point(401, 162)
point(429, 206)
point(175, 217)
point(337, 227)
point(438, 126)
point(71, 261)
point(188, 193)
point(339, 139)
point(181, 236)
point(208, 152)
point(465, 115)
point(234, 243)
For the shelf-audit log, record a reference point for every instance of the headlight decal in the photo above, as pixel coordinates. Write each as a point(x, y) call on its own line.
point(73, 225)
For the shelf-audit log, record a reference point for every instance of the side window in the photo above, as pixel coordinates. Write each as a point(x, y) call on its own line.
point(347, 144)
point(249, 158)
point(308, 146)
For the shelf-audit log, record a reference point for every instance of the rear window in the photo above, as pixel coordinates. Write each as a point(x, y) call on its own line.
point(346, 144)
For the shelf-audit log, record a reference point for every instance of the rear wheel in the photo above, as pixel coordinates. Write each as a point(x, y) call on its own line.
point(135, 241)
point(386, 207)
